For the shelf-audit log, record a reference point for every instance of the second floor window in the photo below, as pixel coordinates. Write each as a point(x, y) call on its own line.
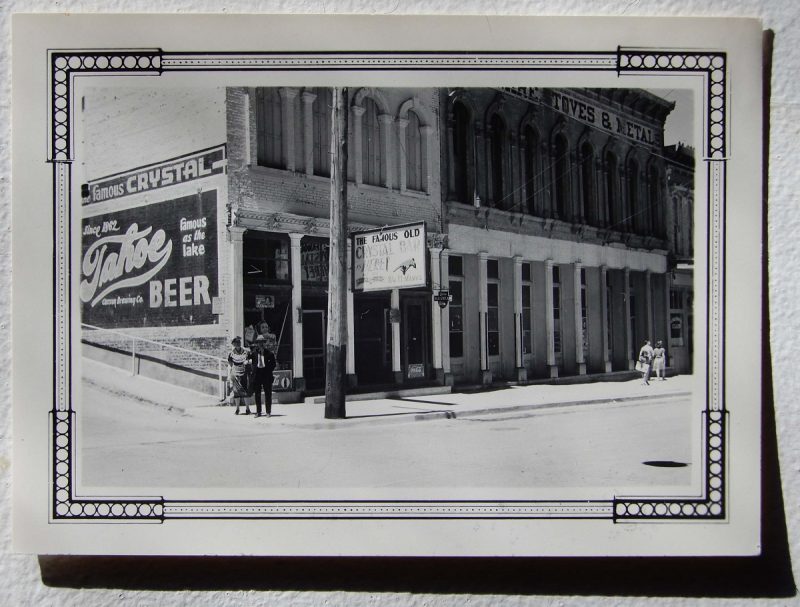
point(373, 170)
point(269, 128)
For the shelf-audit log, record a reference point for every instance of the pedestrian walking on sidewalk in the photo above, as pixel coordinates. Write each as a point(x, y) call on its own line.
point(239, 363)
point(645, 360)
point(659, 360)
point(262, 361)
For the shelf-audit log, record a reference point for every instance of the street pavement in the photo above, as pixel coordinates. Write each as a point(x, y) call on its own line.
point(138, 432)
point(310, 414)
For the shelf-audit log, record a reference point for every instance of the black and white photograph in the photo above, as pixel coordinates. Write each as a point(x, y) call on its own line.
point(518, 273)
point(348, 300)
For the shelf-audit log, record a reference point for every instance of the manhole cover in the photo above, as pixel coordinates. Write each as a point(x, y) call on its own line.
point(665, 464)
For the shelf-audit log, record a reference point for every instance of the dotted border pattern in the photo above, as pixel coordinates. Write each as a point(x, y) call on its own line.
point(711, 506)
point(65, 64)
point(366, 510)
point(67, 506)
point(712, 65)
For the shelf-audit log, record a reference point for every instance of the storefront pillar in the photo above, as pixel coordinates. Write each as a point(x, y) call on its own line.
point(577, 313)
point(626, 288)
point(297, 313)
point(236, 283)
point(395, 322)
point(483, 307)
point(352, 380)
point(605, 319)
point(549, 325)
point(444, 336)
point(522, 372)
point(436, 316)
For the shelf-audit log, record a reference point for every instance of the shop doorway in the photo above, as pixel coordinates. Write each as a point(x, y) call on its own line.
point(314, 331)
point(372, 337)
point(415, 340)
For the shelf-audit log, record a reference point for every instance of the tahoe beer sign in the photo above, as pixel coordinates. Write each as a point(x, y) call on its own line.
point(390, 258)
point(151, 266)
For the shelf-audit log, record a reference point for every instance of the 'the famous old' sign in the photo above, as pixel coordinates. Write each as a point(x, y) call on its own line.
point(390, 258)
point(151, 266)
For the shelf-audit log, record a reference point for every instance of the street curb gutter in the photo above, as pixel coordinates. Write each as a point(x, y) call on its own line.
point(391, 418)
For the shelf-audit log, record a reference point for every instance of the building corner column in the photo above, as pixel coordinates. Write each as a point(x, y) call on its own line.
point(297, 313)
point(236, 234)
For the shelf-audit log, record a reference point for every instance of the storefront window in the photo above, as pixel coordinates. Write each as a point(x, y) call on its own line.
point(456, 308)
point(493, 319)
point(584, 324)
point(266, 258)
point(314, 255)
point(527, 323)
point(556, 310)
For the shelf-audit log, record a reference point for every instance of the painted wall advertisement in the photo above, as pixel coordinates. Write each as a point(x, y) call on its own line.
point(390, 258)
point(151, 266)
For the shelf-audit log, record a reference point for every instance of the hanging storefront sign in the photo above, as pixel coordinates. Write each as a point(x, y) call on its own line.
point(390, 258)
point(443, 297)
point(151, 266)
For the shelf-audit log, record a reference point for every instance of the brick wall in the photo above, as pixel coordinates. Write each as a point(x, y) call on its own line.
point(266, 190)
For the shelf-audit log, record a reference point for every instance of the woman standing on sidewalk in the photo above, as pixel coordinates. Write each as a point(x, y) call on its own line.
point(239, 361)
point(645, 360)
point(659, 359)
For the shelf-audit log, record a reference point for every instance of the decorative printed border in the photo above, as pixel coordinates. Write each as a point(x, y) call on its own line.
point(65, 65)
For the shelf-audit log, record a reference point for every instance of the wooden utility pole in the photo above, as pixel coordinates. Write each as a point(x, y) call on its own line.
point(337, 265)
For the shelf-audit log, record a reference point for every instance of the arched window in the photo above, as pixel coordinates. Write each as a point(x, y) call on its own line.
point(532, 169)
point(414, 154)
point(497, 139)
point(462, 153)
point(634, 204)
point(613, 203)
point(322, 132)
point(561, 178)
point(588, 192)
point(373, 171)
point(656, 210)
point(269, 128)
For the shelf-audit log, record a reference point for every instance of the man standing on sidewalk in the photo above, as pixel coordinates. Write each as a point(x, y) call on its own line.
point(263, 364)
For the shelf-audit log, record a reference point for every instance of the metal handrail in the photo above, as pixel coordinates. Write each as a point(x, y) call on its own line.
point(220, 361)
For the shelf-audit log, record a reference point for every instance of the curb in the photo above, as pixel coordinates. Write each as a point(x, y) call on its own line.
point(394, 418)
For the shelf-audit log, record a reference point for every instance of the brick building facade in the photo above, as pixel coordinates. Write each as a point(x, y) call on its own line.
point(548, 214)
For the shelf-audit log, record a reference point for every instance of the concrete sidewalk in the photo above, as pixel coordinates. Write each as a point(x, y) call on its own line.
point(311, 415)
